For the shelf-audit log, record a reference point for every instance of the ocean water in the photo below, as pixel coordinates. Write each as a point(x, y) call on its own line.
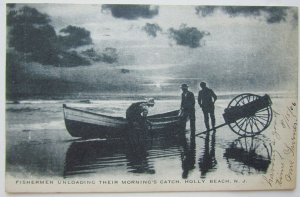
point(38, 145)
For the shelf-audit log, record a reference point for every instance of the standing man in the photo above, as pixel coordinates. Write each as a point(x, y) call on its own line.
point(206, 100)
point(188, 106)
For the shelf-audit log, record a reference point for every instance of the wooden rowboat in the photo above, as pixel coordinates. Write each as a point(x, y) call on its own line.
point(86, 124)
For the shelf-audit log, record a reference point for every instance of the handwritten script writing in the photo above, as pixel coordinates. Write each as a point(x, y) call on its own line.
point(284, 130)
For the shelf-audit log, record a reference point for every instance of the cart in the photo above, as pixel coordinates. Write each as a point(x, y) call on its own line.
point(247, 115)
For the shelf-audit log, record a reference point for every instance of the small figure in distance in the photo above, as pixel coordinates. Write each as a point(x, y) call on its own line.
point(206, 100)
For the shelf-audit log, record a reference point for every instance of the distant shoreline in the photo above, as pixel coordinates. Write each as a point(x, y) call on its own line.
point(87, 97)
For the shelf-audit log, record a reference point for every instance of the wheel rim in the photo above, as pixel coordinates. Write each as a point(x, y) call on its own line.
point(252, 125)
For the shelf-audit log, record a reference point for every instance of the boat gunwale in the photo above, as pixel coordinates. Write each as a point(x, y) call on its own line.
point(93, 113)
point(151, 117)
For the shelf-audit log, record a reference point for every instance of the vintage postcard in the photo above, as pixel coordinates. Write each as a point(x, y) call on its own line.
point(148, 97)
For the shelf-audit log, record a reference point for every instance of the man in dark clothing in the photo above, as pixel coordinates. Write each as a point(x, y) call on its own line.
point(137, 113)
point(206, 100)
point(188, 106)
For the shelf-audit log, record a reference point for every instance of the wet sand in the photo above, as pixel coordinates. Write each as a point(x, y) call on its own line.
point(38, 145)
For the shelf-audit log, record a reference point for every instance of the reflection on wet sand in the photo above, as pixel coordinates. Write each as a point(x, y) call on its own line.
point(85, 157)
point(207, 159)
point(137, 154)
point(134, 154)
point(248, 155)
point(188, 155)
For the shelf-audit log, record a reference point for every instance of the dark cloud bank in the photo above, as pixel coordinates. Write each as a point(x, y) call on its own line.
point(131, 12)
point(270, 14)
point(187, 36)
point(32, 38)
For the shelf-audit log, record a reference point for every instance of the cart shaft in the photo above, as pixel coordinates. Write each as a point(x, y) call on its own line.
point(214, 128)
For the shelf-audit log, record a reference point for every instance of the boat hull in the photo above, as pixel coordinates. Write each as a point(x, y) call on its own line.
point(86, 124)
point(87, 130)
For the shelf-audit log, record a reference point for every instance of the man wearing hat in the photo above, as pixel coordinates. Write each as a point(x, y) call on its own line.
point(206, 100)
point(137, 113)
point(188, 106)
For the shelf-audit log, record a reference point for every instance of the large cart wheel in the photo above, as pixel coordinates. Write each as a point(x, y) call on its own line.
point(250, 125)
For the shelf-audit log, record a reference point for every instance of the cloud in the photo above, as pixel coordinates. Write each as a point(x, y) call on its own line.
point(32, 35)
point(187, 36)
point(205, 10)
point(108, 55)
point(131, 12)
point(244, 11)
point(270, 14)
point(74, 37)
point(152, 29)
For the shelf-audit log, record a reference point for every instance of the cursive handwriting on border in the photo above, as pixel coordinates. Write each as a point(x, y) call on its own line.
point(283, 163)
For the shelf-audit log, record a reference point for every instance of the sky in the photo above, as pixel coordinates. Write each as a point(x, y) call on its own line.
point(233, 49)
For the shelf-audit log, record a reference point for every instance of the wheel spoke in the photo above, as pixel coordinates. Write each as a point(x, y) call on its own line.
point(239, 130)
point(266, 110)
point(248, 98)
point(243, 101)
point(261, 110)
point(234, 125)
point(256, 125)
point(239, 121)
point(251, 126)
point(249, 123)
point(259, 121)
point(262, 115)
point(263, 118)
point(246, 125)
point(243, 124)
